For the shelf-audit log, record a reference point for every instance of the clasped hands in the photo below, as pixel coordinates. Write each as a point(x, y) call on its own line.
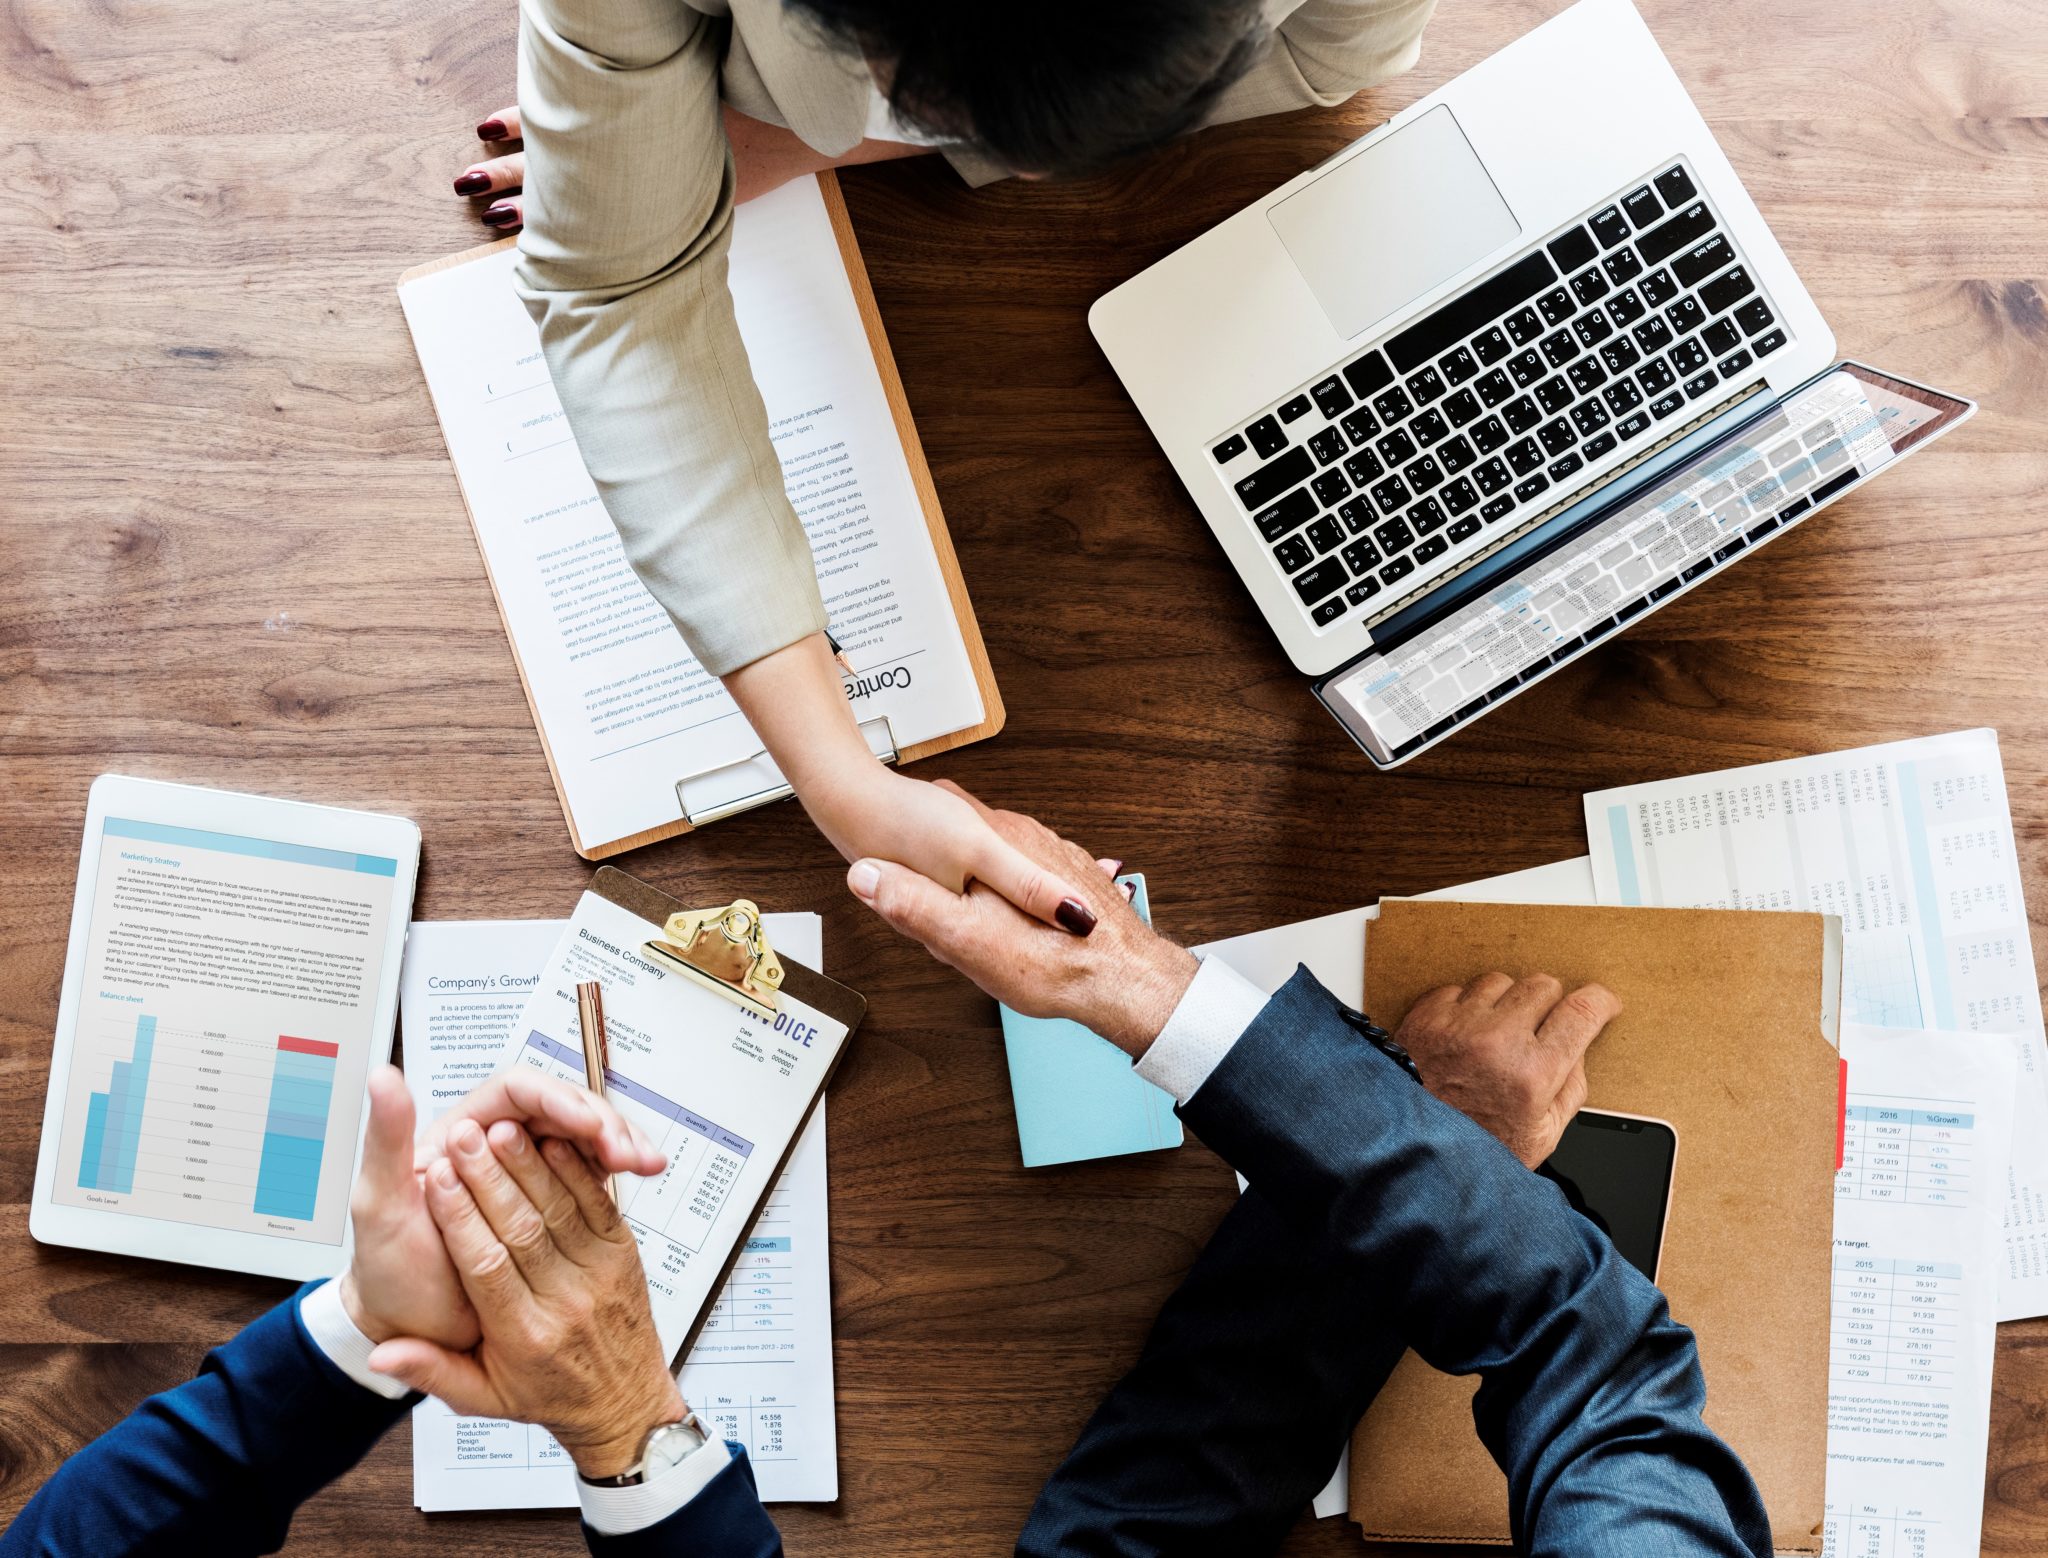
point(493, 1270)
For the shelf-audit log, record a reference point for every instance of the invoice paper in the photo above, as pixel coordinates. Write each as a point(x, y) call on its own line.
point(625, 708)
point(1917, 1252)
point(1912, 845)
point(761, 1370)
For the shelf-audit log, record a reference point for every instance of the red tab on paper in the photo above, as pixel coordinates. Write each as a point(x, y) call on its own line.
point(1841, 1114)
point(318, 1047)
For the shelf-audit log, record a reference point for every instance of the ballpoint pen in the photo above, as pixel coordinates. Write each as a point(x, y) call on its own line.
point(590, 1018)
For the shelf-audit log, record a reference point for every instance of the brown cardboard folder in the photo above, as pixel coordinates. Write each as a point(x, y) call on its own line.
point(1722, 1034)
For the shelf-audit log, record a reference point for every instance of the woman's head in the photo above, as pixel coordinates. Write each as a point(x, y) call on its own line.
point(1054, 86)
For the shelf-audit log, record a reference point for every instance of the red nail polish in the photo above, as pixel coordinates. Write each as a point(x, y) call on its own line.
point(1074, 916)
point(501, 216)
point(472, 183)
point(492, 130)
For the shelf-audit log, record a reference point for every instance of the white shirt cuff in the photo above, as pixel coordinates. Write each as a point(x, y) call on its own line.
point(615, 1511)
point(1214, 1011)
point(321, 1312)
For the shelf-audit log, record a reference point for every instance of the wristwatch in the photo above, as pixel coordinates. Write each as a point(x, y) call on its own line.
point(664, 1449)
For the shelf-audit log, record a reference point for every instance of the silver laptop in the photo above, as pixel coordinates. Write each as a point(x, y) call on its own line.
point(1517, 367)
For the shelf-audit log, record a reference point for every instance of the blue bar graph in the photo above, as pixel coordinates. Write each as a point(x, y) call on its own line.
point(295, 1129)
point(113, 1119)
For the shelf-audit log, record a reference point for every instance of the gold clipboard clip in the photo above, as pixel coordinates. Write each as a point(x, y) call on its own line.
point(725, 950)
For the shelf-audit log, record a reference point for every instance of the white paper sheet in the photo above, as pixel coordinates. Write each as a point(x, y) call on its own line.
point(761, 1370)
point(1912, 845)
point(626, 709)
point(1918, 1246)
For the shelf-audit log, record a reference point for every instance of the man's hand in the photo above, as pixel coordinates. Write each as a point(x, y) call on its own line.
point(1509, 1053)
point(1122, 980)
point(548, 1106)
point(554, 1273)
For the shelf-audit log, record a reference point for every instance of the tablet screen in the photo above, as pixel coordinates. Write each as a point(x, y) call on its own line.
point(225, 1029)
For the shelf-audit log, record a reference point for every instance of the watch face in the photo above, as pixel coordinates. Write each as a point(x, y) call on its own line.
point(668, 1444)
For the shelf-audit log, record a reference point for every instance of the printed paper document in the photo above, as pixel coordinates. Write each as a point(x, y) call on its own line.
point(761, 1370)
point(1918, 1245)
point(624, 707)
point(1912, 845)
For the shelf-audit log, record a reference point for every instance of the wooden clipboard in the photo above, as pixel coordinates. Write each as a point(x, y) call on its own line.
point(993, 713)
point(843, 1005)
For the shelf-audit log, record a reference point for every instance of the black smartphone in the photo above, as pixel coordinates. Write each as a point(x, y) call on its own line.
point(1615, 1169)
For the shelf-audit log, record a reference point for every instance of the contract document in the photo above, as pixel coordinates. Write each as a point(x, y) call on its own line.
point(1917, 1252)
point(761, 1370)
point(1912, 845)
point(625, 711)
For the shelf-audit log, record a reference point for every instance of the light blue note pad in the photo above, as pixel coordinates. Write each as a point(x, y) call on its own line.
point(1077, 1095)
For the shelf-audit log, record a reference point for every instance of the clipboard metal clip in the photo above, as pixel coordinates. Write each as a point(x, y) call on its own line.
point(731, 788)
point(725, 950)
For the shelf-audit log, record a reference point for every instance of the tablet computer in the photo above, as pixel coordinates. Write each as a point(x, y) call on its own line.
point(231, 978)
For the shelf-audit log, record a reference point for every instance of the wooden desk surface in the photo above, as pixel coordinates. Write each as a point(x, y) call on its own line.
point(231, 552)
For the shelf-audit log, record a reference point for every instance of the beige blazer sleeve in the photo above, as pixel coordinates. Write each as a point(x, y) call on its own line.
point(628, 207)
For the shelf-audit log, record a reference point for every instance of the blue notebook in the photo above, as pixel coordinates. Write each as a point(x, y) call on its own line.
point(1077, 1095)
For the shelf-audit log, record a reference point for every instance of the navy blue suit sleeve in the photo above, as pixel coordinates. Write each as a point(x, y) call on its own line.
point(218, 1465)
point(1590, 1393)
point(724, 1520)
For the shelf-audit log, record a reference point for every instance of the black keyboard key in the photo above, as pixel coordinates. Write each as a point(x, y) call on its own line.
point(1697, 264)
point(1356, 514)
point(1459, 496)
point(1361, 592)
point(1630, 610)
point(1325, 578)
point(1428, 517)
point(1520, 414)
point(1326, 445)
point(1294, 554)
point(1396, 448)
point(1726, 291)
point(1594, 448)
point(1425, 386)
point(1329, 611)
point(1523, 326)
point(1393, 535)
point(1296, 508)
point(1622, 266)
point(1652, 335)
point(1364, 468)
point(1557, 436)
point(1389, 495)
point(1658, 288)
point(1620, 356)
point(1266, 437)
point(1642, 207)
point(1430, 427)
point(1675, 185)
point(1332, 398)
point(1422, 474)
point(1665, 406)
point(1559, 348)
point(1492, 346)
point(1525, 457)
point(1399, 568)
point(1723, 553)
point(1764, 345)
point(1663, 589)
point(1589, 287)
point(1331, 488)
point(1686, 315)
point(1657, 376)
point(1696, 387)
point(1720, 337)
point(1587, 375)
point(1495, 388)
point(1694, 570)
point(1361, 555)
point(1499, 508)
point(1630, 426)
point(1491, 477)
point(1488, 435)
point(1553, 395)
point(1432, 549)
point(1758, 532)
point(1459, 366)
point(1556, 306)
point(1472, 310)
point(1294, 410)
point(1677, 233)
point(1275, 477)
point(1609, 226)
point(1688, 357)
point(1359, 425)
point(1728, 367)
point(1461, 408)
point(1463, 530)
point(1229, 449)
point(1369, 375)
point(1589, 416)
point(1534, 487)
point(1325, 534)
point(1572, 248)
point(1752, 316)
point(1625, 308)
point(1622, 396)
point(1592, 329)
point(1564, 466)
point(1393, 406)
point(1457, 455)
point(1527, 368)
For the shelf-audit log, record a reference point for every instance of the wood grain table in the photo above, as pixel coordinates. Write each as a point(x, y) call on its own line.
point(232, 552)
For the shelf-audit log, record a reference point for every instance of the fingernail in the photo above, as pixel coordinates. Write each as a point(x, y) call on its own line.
point(864, 878)
point(1130, 892)
point(515, 1143)
point(503, 215)
point(467, 1137)
point(444, 1173)
point(1075, 916)
point(492, 130)
point(1110, 867)
point(472, 183)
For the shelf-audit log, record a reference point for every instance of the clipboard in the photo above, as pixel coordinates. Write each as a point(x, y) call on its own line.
point(843, 1005)
point(993, 714)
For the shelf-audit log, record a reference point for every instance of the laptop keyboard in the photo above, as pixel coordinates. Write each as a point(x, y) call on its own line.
point(1403, 461)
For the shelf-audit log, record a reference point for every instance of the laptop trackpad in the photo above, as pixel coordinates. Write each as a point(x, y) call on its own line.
point(1383, 228)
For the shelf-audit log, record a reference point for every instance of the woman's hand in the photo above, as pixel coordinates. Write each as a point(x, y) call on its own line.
point(493, 185)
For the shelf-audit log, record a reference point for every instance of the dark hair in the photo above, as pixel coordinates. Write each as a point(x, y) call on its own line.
point(1055, 86)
